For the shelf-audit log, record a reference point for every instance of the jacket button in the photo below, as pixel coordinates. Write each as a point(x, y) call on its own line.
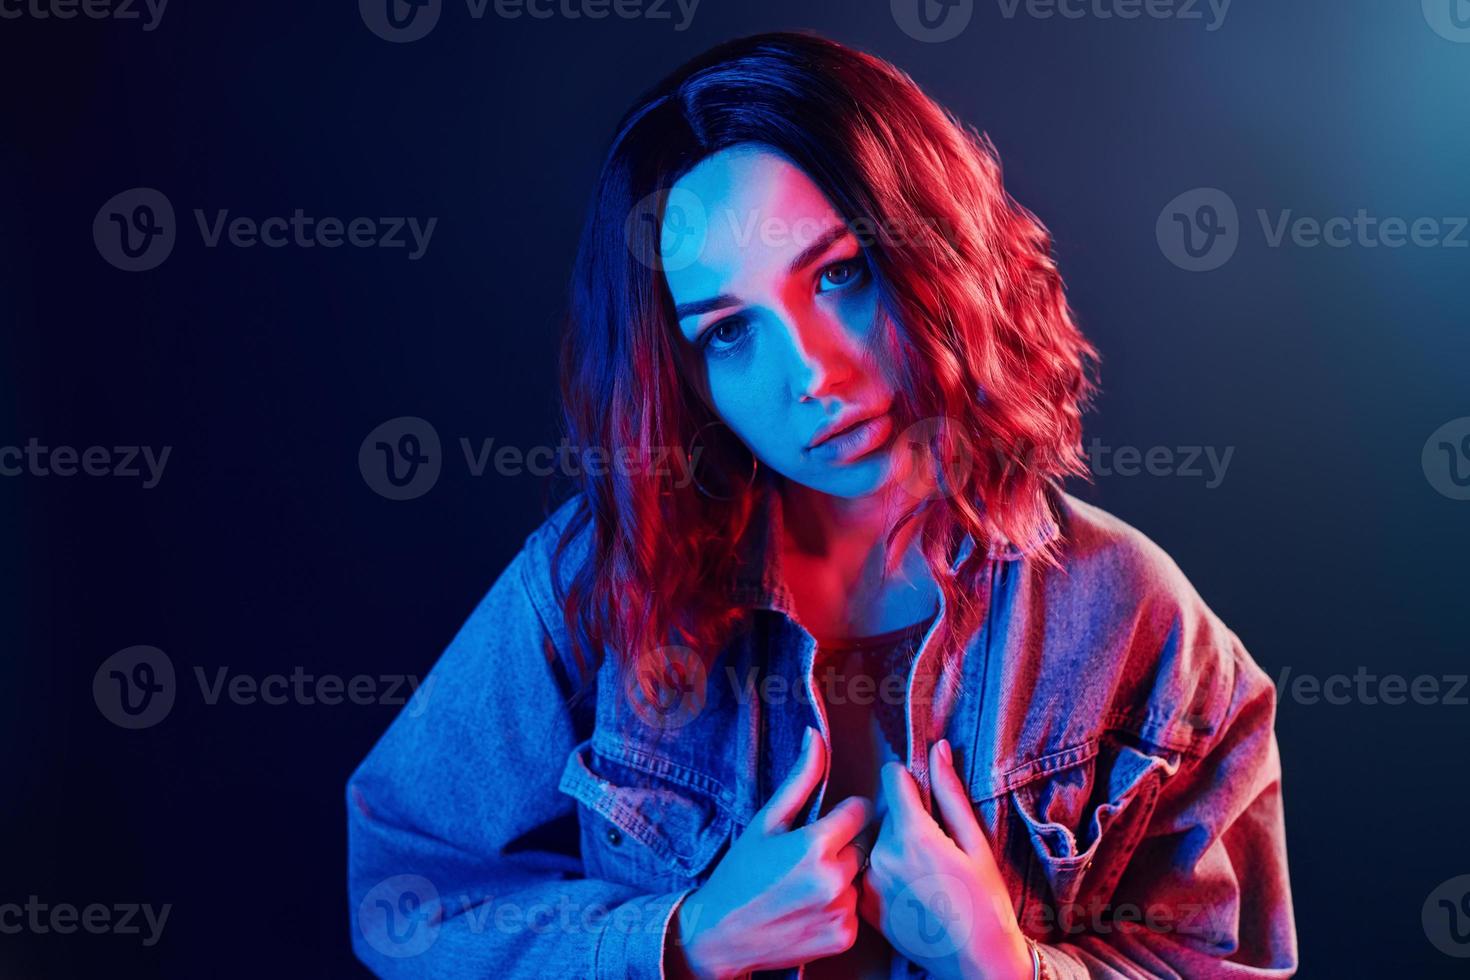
point(614, 836)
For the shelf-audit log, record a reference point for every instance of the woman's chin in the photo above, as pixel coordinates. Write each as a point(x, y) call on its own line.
point(860, 478)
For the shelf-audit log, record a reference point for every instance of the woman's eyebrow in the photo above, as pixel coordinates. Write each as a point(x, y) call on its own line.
point(808, 255)
point(814, 251)
point(699, 306)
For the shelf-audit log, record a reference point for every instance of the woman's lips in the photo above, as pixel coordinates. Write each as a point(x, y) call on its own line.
point(855, 441)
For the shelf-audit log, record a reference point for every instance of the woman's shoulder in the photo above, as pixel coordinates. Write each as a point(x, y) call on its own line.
point(548, 562)
point(1131, 610)
point(540, 549)
point(1098, 549)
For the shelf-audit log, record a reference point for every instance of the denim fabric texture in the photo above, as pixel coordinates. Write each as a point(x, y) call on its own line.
point(1114, 736)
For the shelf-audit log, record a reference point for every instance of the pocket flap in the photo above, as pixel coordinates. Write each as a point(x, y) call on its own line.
point(1090, 812)
point(682, 828)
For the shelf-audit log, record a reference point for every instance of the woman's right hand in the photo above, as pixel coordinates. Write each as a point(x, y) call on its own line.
point(779, 897)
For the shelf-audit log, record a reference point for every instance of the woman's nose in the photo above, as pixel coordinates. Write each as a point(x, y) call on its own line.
point(822, 361)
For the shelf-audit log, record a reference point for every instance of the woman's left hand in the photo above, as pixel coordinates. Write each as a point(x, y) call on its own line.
point(936, 893)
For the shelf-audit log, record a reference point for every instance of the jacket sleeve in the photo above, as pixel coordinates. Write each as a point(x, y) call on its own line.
point(1207, 887)
point(463, 856)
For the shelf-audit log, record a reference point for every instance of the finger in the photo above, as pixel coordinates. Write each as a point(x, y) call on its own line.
point(954, 802)
point(845, 822)
point(789, 797)
point(852, 859)
point(905, 807)
point(864, 842)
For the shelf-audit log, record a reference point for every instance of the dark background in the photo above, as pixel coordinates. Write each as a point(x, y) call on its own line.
point(1326, 547)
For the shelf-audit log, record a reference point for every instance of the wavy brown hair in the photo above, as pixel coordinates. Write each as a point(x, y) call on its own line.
point(978, 334)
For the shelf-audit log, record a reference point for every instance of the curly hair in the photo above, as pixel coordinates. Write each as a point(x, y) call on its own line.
point(978, 335)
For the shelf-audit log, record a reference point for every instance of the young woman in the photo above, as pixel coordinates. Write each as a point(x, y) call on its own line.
point(821, 673)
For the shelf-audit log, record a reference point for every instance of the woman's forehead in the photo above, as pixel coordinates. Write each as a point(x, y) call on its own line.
point(752, 210)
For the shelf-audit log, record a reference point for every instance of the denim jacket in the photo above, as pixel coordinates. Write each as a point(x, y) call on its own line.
point(1114, 736)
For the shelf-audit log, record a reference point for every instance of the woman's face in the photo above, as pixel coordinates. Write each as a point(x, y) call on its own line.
point(778, 311)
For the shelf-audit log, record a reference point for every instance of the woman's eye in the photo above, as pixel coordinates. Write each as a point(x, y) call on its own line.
point(724, 335)
point(840, 274)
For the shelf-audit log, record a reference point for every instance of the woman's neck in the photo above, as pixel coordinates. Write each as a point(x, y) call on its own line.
point(844, 577)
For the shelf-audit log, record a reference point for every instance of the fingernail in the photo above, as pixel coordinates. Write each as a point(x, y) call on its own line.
point(944, 752)
point(806, 737)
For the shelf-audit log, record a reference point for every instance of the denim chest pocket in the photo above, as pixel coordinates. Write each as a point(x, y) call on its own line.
point(640, 828)
point(1085, 818)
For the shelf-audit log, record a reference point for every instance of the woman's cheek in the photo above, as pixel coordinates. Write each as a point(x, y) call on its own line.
point(751, 406)
point(858, 313)
point(740, 388)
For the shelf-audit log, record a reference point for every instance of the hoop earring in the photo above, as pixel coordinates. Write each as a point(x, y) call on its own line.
point(699, 485)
